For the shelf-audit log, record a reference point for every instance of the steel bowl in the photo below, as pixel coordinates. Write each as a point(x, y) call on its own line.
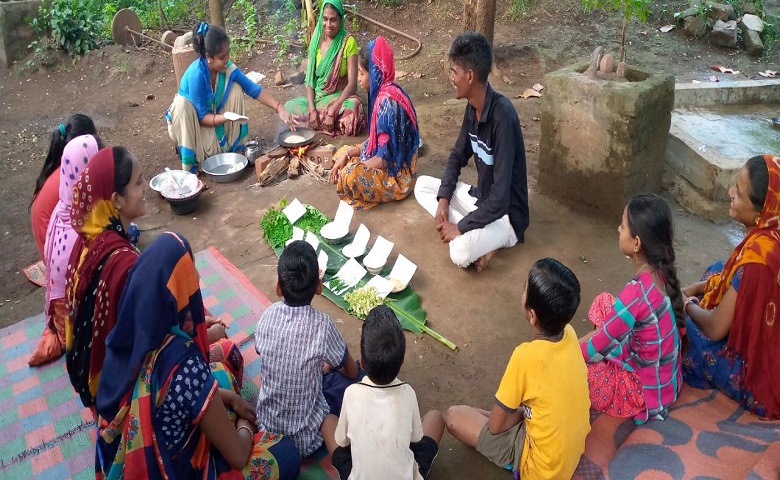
point(225, 167)
point(158, 182)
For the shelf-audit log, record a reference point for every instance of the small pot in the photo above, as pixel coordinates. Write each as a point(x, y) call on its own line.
point(252, 151)
point(186, 206)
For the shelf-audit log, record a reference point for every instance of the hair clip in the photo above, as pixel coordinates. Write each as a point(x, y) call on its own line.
point(62, 130)
point(203, 28)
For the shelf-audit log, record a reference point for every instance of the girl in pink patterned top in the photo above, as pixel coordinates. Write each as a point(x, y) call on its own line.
point(633, 355)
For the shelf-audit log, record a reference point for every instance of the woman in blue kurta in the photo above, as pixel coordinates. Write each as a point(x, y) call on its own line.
point(210, 87)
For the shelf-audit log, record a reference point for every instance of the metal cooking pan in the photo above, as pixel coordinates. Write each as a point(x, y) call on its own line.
point(307, 134)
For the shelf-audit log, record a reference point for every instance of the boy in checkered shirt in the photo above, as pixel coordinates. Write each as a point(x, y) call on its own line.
point(296, 343)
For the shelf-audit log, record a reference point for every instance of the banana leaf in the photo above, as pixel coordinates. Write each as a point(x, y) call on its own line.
point(406, 304)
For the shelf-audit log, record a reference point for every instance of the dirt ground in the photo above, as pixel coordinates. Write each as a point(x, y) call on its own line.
point(479, 312)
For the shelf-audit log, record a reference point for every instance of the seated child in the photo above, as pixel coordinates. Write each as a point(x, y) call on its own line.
point(541, 416)
point(633, 355)
point(294, 342)
point(379, 433)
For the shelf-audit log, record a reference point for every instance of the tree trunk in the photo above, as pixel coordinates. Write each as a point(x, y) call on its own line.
point(311, 21)
point(480, 15)
point(217, 15)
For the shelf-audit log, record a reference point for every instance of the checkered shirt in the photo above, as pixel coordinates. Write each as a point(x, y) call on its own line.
point(293, 343)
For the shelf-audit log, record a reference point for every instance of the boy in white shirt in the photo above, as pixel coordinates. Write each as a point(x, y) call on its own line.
point(379, 433)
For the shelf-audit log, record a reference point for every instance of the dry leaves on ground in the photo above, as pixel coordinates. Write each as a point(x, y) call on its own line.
point(722, 69)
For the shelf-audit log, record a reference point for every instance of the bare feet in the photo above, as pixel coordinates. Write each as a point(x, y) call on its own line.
point(482, 262)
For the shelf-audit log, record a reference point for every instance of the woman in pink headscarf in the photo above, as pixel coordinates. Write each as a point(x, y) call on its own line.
point(60, 238)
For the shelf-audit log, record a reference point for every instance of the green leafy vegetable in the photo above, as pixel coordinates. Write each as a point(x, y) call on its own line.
point(362, 300)
point(336, 285)
point(276, 228)
point(313, 220)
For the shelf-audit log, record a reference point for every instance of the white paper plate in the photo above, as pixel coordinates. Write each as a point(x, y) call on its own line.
point(351, 251)
point(382, 285)
point(332, 231)
point(377, 257)
point(322, 262)
point(297, 235)
point(294, 211)
point(312, 240)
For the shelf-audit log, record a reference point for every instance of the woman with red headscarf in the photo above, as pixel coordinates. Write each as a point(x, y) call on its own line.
point(733, 343)
point(384, 167)
point(108, 195)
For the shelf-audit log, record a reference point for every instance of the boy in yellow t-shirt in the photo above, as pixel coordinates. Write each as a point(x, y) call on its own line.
point(540, 416)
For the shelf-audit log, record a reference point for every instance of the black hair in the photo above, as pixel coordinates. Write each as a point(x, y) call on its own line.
point(123, 169)
point(472, 51)
point(758, 174)
point(382, 345)
point(553, 293)
point(650, 219)
point(76, 125)
point(363, 57)
point(212, 43)
point(298, 273)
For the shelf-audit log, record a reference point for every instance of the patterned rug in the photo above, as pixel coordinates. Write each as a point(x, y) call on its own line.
point(706, 436)
point(46, 434)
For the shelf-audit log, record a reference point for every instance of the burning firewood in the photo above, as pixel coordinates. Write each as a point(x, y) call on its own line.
point(277, 166)
point(278, 152)
point(294, 167)
point(309, 160)
point(314, 169)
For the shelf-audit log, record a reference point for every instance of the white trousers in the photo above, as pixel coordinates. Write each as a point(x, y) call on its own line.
point(465, 249)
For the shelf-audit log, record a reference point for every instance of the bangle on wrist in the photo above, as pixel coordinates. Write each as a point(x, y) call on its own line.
point(689, 300)
point(244, 427)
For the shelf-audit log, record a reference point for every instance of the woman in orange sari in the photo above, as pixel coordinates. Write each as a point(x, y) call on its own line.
point(331, 103)
point(734, 345)
point(384, 167)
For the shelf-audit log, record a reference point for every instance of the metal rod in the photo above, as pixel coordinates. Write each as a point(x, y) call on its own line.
point(393, 30)
point(147, 37)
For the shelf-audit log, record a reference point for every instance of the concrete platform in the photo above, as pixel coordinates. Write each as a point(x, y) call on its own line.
point(15, 33)
point(715, 129)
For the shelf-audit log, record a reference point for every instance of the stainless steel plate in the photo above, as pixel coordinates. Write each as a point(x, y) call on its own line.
point(162, 179)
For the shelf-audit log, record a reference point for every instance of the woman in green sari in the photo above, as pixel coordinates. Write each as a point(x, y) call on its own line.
point(331, 102)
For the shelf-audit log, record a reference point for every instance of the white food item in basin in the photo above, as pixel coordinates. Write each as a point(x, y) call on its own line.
point(189, 182)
